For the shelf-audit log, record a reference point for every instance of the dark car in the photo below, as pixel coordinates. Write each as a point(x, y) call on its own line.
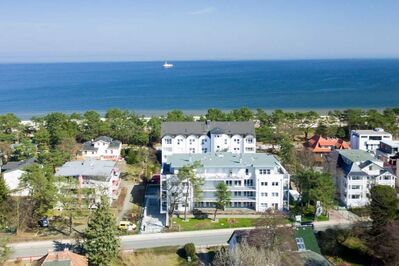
point(310, 224)
point(43, 222)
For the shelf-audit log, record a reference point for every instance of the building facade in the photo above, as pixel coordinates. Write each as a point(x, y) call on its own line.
point(357, 171)
point(102, 177)
point(368, 140)
point(256, 181)
point(12, 173)
point(207, 137)
point(101, 148)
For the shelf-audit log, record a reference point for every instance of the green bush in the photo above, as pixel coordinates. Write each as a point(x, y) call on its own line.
point(189, 248)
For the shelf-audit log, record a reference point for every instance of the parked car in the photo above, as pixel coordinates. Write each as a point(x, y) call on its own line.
point(126, 225)
point(43, 222)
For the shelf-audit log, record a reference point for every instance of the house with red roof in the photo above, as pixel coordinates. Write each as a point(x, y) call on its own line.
point(321, 146)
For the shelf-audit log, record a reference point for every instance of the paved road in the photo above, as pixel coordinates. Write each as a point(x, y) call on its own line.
point(199, 238)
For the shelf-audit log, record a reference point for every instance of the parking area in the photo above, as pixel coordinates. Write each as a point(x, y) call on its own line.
point(153, 221)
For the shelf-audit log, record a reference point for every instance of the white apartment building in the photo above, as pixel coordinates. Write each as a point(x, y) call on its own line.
point(368, 140)
point(101, 148)
point(99, 175)
point(358, 172)
point(207, 137)
point(256, 181)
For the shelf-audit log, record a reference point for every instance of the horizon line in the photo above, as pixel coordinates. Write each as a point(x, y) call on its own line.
point(196, 60)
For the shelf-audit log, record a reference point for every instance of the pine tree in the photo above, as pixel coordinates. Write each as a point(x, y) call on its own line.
point(223, 197)
point(101, 244)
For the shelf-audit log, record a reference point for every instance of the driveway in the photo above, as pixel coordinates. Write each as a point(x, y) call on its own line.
point(153, 221)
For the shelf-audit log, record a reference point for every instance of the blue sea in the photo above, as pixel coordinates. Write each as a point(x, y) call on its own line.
point(195, 86)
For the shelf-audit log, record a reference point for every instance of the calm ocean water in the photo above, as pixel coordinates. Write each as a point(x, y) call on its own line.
point(147, 88)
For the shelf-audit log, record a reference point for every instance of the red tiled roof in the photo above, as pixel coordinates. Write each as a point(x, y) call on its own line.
point(318, 144)
point(66, 255)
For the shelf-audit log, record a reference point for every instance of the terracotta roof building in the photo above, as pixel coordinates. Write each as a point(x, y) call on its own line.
point(62, 258)
point(318, 144)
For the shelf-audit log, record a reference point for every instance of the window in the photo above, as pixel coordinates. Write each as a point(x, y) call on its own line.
point(203, 141)
point(263, 194)
point(355, 187)
point(375, 138)
point(237, 182)
point(179, 141)
point(204, 150)
point(249, 148)
point(248, 182)
point(229, 182)
point(263, 183)
point(246, 171)
point(192, 150)
point(263, 204)
point(274, 194)
point(355, 196)
point(356, 177)
point(237, 141)
point(191, 141)
point(248, 193)
point(225, 141)
point(387, 177)
point(275, 205)
point(363, 137)
point(274, 183)
point(168, 141)
point(250, 140)
point(237, 193)
point(264, 171)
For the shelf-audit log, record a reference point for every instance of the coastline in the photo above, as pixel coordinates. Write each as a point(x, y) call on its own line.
point(149, 113)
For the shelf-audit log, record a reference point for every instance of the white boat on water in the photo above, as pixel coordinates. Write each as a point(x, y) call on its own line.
point(166, 65)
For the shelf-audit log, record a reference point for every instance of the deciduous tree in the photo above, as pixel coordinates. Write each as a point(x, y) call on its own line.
point(383, 205)
point(223, 197)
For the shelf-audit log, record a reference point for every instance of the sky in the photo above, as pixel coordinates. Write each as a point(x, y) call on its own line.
point(130, 30)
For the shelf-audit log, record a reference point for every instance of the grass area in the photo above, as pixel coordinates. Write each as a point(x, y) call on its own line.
point(166, 256)
point(202, 224)
point(309, 238)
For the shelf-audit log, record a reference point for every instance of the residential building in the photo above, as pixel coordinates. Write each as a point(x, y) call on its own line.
point(99, 175)
point(12, 173)
point(368, 140)
point(387, 149)
point(101, 148)
point(322, 146)
point(256, 181)
point(61, 258)
point(356, 172)
point(207, 137)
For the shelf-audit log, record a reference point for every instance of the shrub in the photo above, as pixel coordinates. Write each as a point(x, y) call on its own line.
point(189, 248)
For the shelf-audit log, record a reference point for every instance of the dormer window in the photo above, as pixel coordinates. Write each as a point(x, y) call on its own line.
point(250, 141)
point(168, 141)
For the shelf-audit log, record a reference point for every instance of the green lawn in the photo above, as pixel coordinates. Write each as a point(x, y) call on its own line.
point(309, 238)
point(203, 224)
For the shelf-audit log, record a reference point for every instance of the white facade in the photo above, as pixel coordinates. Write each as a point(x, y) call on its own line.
point(12, 179)
point(207, 137)
point(368, 140)
point(102, 148)
point(360, 171)
point(256, 181)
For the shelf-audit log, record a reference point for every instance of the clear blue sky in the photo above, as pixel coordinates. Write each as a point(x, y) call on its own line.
point(98, 30)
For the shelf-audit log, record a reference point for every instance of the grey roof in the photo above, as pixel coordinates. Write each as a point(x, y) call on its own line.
point(115, 144)
point(204, 128)
point(357, 155)
point(224, 159)
point(392, 143)
point(11, 166)
point(89, 167)
point(88, 146)
point(370, 132)
point(104, 138)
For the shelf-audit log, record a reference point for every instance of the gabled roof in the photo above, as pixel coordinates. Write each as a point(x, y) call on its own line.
point(204, 128)
point(11, 166)
point(62, 258)
point(104, 138)
point(318, 144)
